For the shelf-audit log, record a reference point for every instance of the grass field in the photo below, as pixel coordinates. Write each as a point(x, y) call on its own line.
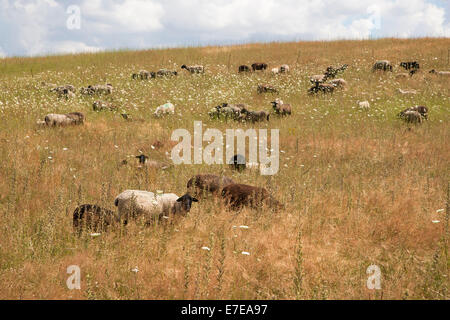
point(360, 187)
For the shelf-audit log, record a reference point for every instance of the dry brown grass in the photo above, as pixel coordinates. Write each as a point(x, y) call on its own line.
point(360, 187)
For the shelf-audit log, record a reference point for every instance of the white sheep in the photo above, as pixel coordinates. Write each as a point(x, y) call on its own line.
point(55, 119)
point(166, 108)
point(441, 73)
point(284, 68)
point(365, 105)
point(275, 71)
point(136, 203)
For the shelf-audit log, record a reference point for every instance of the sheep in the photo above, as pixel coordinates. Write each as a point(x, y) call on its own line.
point(411, 116)
point(132, 204)
point(254, 116)
point(441, 73)
point(227, 110)
point(275, 71)
point(339, 83)
point(97, 89)
point(93, 218)
point(384, 65)
point(410, 65)
point(322, 87)
point(73, 118)
point(259, 66)
point(266, 88)
point(202, 183)
point(243, 68)
point(103, 105)
point(332, 72)
point(194, 69)
point(143, 74)
point(237, 162)
point(318, 78)
point(237, 196)
point(281, 108)
point(411, 91)
point(284, 68)
point(63, 89)
point(165, 72)
point(166, 108)
point(423, 110)
point(145, 162)
point(365, 105)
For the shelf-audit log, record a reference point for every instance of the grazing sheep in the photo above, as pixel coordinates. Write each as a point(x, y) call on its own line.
point(410, 65)
point(281, 108)
point(411, 91)
point(166, 108)
point(421, 109)
point(194, 69)
point(73, 118)
point(143, 75)
point(384, 65)
point(232, 111)
point(441, 73)
point(318, 78)
point(254, 116)
point(365, 105)
point(339, 84)
point(237, 196)
point(266, 88)
point(145, 162)
point(411, 116)
point(165, 73)
point(284, 68)
point(237, 162)
point(259, 66)
point(103, 105)
point(93, 218)
point(243, 68)
point(212, 183)
point(97, 89)
point(322, 87)
point(136, 203)
point(63, 89)
point(275, 71)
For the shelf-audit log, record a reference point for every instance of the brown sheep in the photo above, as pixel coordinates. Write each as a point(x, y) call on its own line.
point(322, 87)
point(266, 88)
point(102, 105)
point(237, 196)
point(421, 109)
point(281, 108)
point(243, 68)
point(339, 84)
point(259, 66)
point(207, 183)
point(254, 116)
point(93, 218)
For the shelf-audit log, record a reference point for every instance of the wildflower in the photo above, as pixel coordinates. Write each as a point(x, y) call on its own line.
point(435, 221)
point(135, 269)
point(206, 248)
point(245, 253)
point(93, 235)
point(439, 210)
point(243, 227)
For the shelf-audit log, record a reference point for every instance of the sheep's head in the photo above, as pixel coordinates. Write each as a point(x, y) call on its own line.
point(186, 202)
point(183, 66)
point(142, 158)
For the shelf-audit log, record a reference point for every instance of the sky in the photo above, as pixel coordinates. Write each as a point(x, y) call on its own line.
point(41, 27)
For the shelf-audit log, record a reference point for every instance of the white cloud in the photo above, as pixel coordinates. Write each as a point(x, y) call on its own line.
point(39, 26)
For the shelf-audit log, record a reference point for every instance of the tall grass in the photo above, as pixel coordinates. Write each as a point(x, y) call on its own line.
point(364, 186)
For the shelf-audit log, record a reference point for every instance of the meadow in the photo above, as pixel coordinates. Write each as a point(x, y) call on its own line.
point(361, 187)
